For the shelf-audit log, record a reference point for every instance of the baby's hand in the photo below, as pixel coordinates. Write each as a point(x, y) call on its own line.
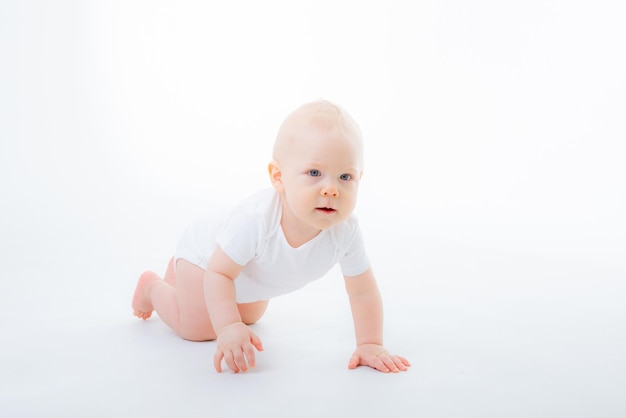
point(375, 356)
point(235, 345)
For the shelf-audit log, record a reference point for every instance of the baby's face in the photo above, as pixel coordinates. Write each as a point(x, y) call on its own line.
point(321, 172)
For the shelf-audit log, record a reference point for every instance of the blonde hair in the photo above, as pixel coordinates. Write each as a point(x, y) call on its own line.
point(323, 115)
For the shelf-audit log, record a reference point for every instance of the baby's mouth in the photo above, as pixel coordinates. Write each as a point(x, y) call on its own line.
point(327, 210)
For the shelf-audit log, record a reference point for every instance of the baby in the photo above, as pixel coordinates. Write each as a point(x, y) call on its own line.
point(226, 270)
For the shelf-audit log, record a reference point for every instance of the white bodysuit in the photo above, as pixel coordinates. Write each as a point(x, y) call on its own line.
point(251, 236)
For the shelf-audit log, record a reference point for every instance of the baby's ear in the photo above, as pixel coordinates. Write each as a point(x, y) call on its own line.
point(275, 175)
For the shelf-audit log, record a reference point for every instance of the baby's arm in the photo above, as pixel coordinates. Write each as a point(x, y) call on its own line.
point(235, 341)
point(367, 313)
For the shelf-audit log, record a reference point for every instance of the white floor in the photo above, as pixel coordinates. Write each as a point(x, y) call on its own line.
point(489, 334)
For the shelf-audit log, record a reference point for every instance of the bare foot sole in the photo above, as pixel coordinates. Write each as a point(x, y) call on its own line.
point(142, 308)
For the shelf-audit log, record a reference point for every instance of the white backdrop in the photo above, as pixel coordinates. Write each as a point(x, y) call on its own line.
point(504, 117)
point(495, 138)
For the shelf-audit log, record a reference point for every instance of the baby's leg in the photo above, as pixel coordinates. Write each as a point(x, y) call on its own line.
point(183, 307)
point(142, 304)
point(252, 312)
point(170, 273)
point(193, 322)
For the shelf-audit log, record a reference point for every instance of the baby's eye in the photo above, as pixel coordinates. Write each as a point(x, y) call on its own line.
point(345, 177)
point(315, 173)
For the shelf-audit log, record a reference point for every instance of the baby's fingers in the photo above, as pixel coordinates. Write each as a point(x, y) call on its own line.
point(235, 361)
point(217, 360)
point(375, 363)
point(256, 342)
point(389, 364)
point(402, 363)
point(395, 364)
point(239, 359)
point(249, 353)
point(228, 359)
point(354, 362)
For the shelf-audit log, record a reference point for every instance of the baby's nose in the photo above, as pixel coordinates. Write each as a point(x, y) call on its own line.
point(330, 190)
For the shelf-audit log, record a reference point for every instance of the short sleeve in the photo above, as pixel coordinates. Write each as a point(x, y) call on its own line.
point(354, 260)
point(240, 236)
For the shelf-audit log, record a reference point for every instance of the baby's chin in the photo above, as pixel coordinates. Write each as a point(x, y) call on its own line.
point(328, 221)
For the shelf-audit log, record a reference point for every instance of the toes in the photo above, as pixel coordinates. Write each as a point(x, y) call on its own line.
point(142, 315)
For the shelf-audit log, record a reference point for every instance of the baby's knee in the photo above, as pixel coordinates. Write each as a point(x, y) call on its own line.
point(197, 335)
point(252, 312)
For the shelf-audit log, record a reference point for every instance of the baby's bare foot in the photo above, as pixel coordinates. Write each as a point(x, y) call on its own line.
point(142, 307)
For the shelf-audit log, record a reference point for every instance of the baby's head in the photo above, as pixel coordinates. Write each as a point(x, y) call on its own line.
point(318, 164)
point(322, 116)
